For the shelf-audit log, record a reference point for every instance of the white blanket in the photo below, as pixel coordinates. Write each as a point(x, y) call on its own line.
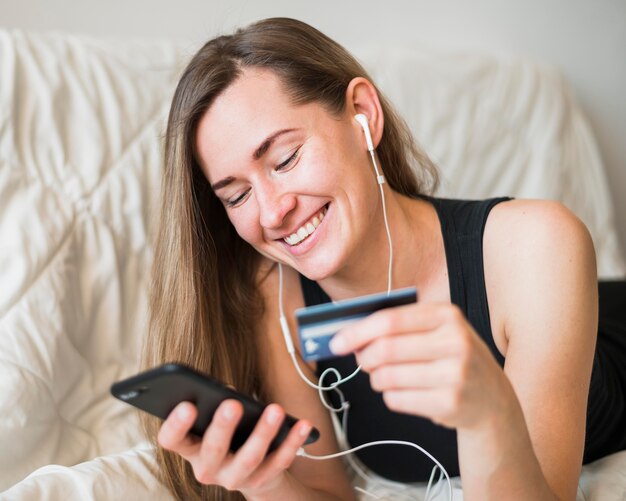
point(80, 127)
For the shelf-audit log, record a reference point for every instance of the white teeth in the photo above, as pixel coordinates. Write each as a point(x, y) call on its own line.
point(306, 229)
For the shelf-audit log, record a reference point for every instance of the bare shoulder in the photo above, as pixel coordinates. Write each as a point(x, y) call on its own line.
point(535, 251)
point(531, 224)
point(536, 235)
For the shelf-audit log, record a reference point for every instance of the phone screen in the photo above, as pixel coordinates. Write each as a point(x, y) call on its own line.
point(159, 390)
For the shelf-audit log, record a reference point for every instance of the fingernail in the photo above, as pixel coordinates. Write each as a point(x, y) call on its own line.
point(228, 413)
point(305, 430)
point(273, 415)
point(337, 345)
point(183, 412)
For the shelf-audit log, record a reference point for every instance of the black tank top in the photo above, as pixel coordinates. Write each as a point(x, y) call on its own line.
point(462, 225)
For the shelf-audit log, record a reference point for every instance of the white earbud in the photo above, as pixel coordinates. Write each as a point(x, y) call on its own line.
point(362, 119)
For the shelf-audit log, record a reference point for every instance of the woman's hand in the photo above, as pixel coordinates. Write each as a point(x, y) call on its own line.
point(248, 470)
point(427, 360)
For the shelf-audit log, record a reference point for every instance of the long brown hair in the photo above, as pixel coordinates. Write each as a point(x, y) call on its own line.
point(204, 300)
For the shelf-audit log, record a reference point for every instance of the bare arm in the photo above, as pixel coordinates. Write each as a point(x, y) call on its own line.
point(550, 300)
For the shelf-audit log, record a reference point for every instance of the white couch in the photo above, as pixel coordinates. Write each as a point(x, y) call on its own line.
point(80, 152)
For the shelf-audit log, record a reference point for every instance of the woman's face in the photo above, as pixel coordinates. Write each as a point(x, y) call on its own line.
point(296, 181)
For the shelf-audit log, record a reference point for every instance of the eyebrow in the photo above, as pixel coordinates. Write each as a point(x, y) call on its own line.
point(258, 153)
point(221, 184)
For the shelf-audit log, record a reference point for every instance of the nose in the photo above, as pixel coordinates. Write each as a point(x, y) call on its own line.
point(274, 205)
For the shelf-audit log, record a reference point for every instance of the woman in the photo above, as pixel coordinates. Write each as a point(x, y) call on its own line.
point(266, 164)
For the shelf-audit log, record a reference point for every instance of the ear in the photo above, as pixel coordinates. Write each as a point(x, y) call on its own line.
point(361, 97)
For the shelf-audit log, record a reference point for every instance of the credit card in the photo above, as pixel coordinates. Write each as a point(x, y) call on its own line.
point(318, 324)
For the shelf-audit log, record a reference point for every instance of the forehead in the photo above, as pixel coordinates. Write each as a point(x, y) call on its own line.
point(255, 93)
point(242, 116)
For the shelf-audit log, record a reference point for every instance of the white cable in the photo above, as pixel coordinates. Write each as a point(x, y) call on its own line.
point(291, 349)
point(363, 491)
point(283, 320)
point(381, 179)
point(345, 406)
point(437, 489)
point(430, 483)
point(301, 452)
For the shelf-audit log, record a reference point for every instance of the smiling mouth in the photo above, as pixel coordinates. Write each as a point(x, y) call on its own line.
point(307, 229)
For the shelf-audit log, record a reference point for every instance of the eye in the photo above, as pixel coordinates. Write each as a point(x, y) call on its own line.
point(289, 162)
point(238, 200)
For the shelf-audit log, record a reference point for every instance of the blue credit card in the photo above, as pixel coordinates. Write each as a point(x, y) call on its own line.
point(318, 324)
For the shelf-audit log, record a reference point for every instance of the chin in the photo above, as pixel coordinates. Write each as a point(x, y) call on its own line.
point(317, 271)
point(315, 276)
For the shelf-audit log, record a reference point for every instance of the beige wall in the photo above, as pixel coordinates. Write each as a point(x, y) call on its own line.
point(585, 39)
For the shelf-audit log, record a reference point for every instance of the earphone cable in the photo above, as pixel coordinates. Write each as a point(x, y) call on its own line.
point(345, 406)
point(381, 179)
point(301, 452)
point(291, 349)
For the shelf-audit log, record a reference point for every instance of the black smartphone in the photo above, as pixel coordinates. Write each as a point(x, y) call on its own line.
point(159, 390)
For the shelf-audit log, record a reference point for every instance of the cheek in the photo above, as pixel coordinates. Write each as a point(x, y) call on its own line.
point(322, 176)
point(245, 220)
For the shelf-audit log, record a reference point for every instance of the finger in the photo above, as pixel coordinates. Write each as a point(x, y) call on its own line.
point(174, 433)
point(252, 453)
point(415, 375)
point(216, 440)
point(430, 403)
point(404, 348)
point(414, 318)
point(282, 458)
